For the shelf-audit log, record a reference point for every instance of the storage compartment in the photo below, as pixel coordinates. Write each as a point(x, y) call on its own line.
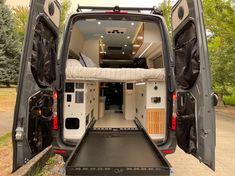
point(118, 106)
point(72, 123)
point(186, 122)
point(80, 108)
point(40, 120)
point(43, 58)
point(187, 61)
point(156, 121)
point(151, 108)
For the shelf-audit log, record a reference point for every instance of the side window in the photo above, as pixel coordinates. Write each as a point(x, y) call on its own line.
point(43, 56)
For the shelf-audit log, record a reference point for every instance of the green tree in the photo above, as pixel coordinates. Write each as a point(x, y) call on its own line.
point(219, 19)
point(20, 18)
point(165, 6)
point(219, 16)
point(65, 6)
point(9, 47)
point(9, 66)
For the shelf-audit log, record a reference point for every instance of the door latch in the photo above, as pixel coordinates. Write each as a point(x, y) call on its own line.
point(19, 134)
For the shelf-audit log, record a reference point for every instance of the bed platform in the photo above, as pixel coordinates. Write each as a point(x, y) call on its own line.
point(75, 72)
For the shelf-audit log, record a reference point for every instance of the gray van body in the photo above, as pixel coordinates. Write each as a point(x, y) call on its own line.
point(188, 73)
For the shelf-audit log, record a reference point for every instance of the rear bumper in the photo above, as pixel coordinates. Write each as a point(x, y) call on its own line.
point(59, 147)
point(170, 146)
point(65, 150)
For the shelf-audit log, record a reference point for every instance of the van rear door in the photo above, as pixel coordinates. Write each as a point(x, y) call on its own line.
point(195, 129)
point(33, 115)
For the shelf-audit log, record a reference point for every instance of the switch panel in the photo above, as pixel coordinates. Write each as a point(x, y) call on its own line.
point(156, 99)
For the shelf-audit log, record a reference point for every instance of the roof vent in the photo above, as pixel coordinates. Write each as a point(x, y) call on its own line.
point(115, 30)
point(116, 48)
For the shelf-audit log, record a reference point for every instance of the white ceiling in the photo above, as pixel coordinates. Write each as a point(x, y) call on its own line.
point(98, 29)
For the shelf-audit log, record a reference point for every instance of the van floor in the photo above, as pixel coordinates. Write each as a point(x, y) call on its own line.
point(114, 119)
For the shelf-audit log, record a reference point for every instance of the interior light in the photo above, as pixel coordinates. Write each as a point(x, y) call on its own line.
point(101, 36)
point(103, 44)
point(98, 22)
point(125, 45)
point(133, 52)
point(104, 52)
point(132, 24)
point(140, 37)
point(128, 37)
point(141, 83)
point(136, 45)
point(123, 52)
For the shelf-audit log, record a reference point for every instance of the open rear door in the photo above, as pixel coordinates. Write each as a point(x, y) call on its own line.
point(195, 130)
point(31, 131)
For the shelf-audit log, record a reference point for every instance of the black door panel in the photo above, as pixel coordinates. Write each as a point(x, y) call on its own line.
point(40, 121)
point(31, 131)
point(186, 126)
point(195, 129)
point(187, 62)
point(43, 58)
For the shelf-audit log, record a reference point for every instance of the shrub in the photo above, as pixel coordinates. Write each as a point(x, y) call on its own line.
point(229, 100)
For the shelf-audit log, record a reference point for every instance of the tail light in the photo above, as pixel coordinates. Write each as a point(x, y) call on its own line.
point(173, 121)
point(167, 151)
point(59, 151)
point(55, 117)
point(174, 116)
point(55, 122)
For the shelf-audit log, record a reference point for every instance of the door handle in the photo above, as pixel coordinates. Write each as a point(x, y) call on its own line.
point(214, 99)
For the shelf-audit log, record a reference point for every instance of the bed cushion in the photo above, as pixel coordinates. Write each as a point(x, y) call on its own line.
point(75, 71)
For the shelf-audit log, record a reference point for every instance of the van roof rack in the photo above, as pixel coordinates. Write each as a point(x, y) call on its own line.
point(154, 9)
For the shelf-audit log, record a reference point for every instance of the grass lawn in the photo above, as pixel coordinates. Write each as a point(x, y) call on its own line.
point(4, 139)
point(229, 100)
point(6, 154)
point(7, 99)
point(53, 167)
point(7, 103)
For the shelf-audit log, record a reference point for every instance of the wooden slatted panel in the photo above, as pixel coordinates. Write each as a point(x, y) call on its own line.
point(156, 121)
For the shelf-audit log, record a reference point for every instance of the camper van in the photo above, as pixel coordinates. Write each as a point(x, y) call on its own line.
point(117, 94)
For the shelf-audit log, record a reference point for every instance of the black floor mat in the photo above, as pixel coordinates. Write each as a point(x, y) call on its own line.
point(116, 149)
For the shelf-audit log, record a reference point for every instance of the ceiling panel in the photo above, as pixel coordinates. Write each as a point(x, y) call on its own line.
point(112, 33)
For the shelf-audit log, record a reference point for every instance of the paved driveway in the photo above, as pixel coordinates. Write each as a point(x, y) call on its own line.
point(185, 165)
